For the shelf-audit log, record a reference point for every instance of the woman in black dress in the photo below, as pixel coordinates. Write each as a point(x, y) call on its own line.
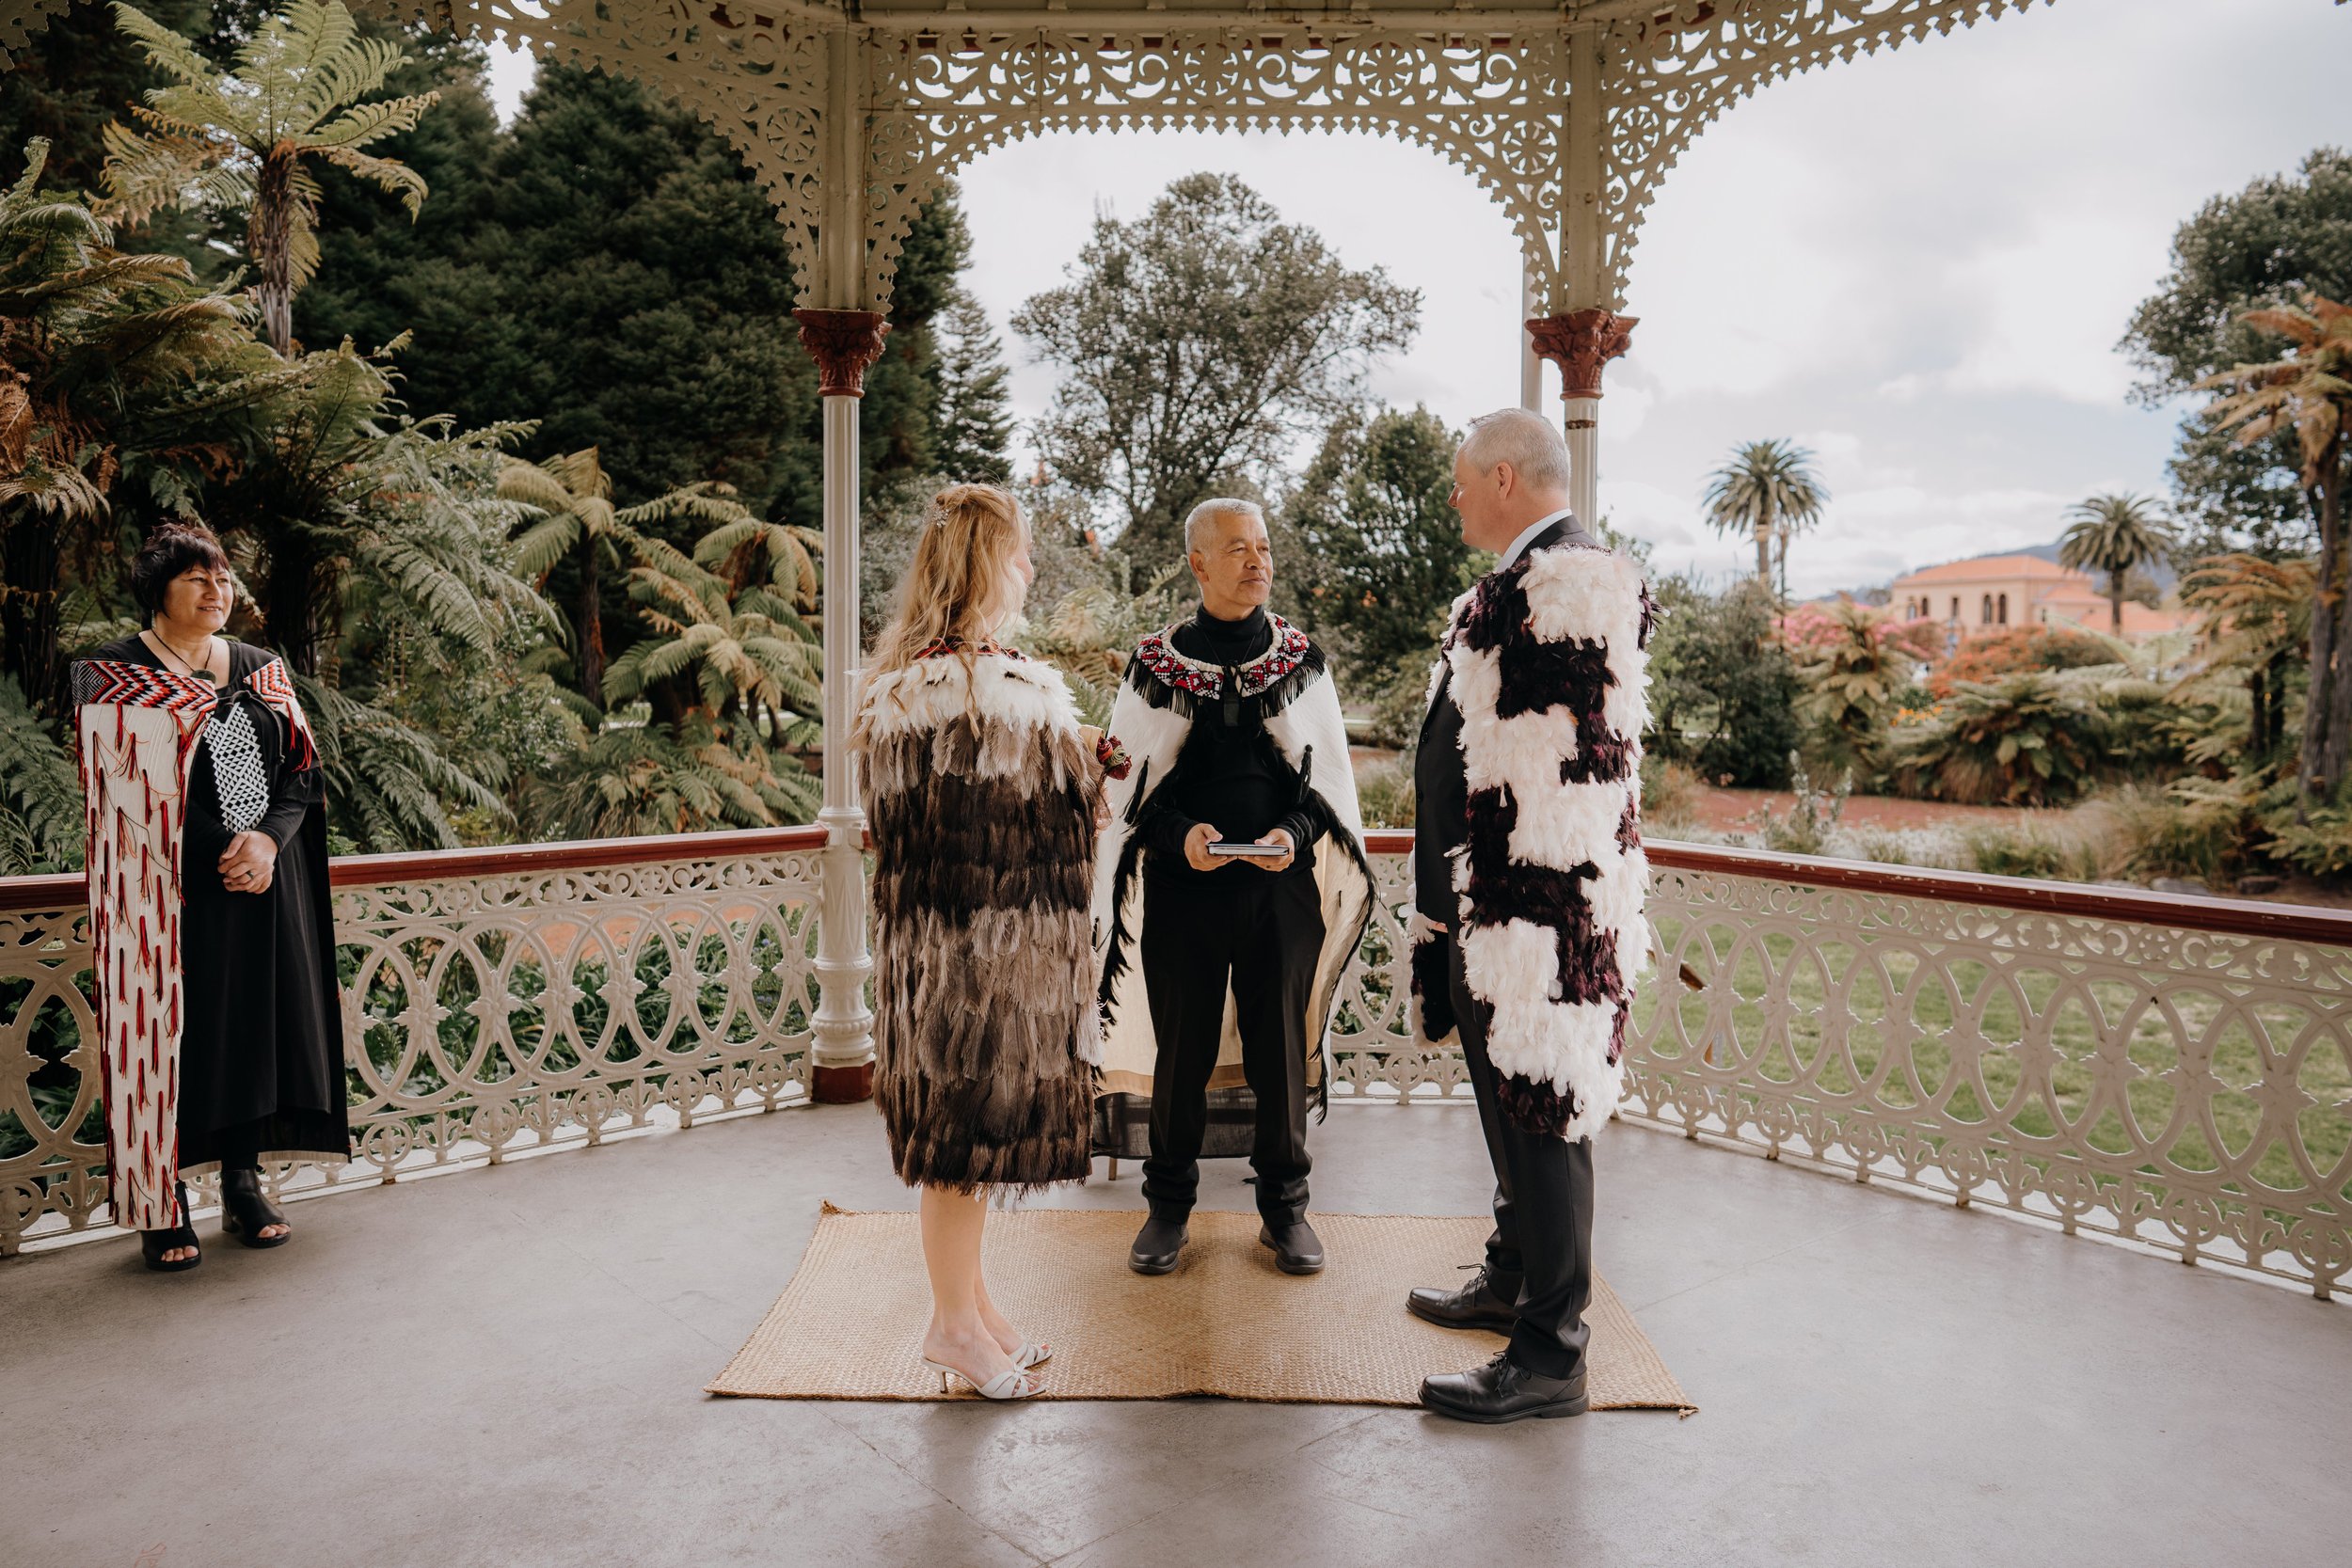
point(256, 1070)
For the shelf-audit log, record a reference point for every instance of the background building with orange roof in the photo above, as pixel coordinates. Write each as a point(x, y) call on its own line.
point(1991, 593)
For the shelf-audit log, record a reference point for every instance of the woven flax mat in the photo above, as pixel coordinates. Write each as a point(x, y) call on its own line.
point(1227, 1322)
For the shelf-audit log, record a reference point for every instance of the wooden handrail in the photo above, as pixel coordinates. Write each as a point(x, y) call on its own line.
point(504, 859)
point(2182, 912)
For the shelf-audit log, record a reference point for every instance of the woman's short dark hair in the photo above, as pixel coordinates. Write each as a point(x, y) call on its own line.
point(170, 550)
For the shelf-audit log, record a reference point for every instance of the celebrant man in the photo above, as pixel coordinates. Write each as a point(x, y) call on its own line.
point(1230, 891)
point(1528, 884)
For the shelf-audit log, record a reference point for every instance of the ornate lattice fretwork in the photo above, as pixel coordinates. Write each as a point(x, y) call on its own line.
point(1667, 74)
point(2185, 1091)
point(483, 1016)
point(755, 72)
point(1493, 102)
point(1493, 94)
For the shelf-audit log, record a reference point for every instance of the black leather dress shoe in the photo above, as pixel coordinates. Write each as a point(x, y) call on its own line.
point(1296, 1247)
point(1476, 1304)
point(1156, 1245)
point(1502, 1390)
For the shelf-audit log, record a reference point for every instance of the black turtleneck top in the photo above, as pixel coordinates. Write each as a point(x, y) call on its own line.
point(1229, 772)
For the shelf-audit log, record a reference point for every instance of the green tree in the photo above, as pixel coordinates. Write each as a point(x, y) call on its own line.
point(245, 140)
point(975, 419)
point(2255, 620)
point(1769, 491)
point(1194, 344)
point(104, 357)
point(2280, 238)
point(572, 518)
point(1723, 691)
point(79, 74)
point(2305, 395)
point(731, 673)
point(378, 259)
point(2116, 535)
point(1373, 514)
point(1852, 662)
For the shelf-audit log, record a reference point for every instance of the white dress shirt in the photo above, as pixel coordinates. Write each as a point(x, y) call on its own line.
point(1518, 545)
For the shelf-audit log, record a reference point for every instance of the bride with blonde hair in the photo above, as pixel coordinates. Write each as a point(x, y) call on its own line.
point(981, 789)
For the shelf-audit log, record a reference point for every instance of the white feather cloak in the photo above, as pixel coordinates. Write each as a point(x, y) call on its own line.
point(1152, 726)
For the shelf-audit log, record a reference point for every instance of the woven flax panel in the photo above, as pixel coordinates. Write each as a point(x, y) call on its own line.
point(1227, 1322)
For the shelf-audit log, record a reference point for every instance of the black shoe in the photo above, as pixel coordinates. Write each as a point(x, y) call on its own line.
point(155, 1243)
point(1156, 1245)
point(1296, 1247)
point(244, 1212)
point(1503, 1390)
point(1476, 1304)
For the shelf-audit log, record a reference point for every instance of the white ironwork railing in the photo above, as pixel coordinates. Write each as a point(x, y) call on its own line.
point(2174, 1072)
point(495, 1002)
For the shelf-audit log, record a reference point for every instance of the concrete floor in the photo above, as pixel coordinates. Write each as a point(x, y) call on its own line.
point(502, 1368)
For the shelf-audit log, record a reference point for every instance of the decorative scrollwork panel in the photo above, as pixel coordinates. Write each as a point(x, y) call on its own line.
point(482, 1016)
point(755, 72)
point(1492, 102)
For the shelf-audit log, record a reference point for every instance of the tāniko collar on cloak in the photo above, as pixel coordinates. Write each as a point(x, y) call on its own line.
point(1166, 679)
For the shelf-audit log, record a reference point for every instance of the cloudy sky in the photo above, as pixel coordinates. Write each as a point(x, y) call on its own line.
point(1916, 264)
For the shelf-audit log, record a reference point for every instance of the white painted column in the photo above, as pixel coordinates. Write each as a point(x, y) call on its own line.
point(842, 1052)
point(1531, 363)
point(844, 338)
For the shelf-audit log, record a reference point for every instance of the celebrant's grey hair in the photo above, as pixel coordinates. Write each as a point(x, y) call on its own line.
point(1531, 444)
point(1203, 519)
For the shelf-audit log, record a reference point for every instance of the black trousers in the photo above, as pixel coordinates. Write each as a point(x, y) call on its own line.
point(1541, 1250)
point(1261, 935)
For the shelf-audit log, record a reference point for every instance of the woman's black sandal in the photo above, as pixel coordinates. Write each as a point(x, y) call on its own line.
point(155, 1243)
point(244, 1212)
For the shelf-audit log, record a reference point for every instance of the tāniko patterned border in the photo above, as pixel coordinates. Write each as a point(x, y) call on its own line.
point(484, 1017)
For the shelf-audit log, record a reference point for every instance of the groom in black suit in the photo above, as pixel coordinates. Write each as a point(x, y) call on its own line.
point(1525, 724)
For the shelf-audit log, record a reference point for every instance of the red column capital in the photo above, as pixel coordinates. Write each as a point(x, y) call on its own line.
point(843, 343)
point(1581, 342)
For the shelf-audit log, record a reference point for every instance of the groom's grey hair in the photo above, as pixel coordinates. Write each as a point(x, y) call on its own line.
point(1202, 518)
point(1531, 444)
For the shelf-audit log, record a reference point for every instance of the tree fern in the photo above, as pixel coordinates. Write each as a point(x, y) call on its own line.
point(242, 140)
point(41, 826)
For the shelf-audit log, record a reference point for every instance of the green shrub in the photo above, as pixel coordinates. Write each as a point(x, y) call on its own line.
point(1998, 851)
point(2196, 828)
point(2026, 741)
point(1384, 793)
point(1813, 816)
point(1400, 700)
point(1670, 793)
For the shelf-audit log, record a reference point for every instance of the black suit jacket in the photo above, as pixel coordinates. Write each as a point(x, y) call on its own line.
point(1440, 775)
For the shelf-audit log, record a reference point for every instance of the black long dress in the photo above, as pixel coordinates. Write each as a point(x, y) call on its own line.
point(262, 1048)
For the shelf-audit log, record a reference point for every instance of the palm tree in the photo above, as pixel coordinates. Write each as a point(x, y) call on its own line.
point(1768, 490)
point(572, 497)
point(99, 354)
point(2116, 535)
point(243, 140)
point(2309, 392)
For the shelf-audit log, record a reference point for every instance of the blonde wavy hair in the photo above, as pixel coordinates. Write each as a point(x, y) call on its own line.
point(961, 585)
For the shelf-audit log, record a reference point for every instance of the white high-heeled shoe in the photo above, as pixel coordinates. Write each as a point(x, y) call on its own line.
point(1013, 1383)
point(1030, 1355)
